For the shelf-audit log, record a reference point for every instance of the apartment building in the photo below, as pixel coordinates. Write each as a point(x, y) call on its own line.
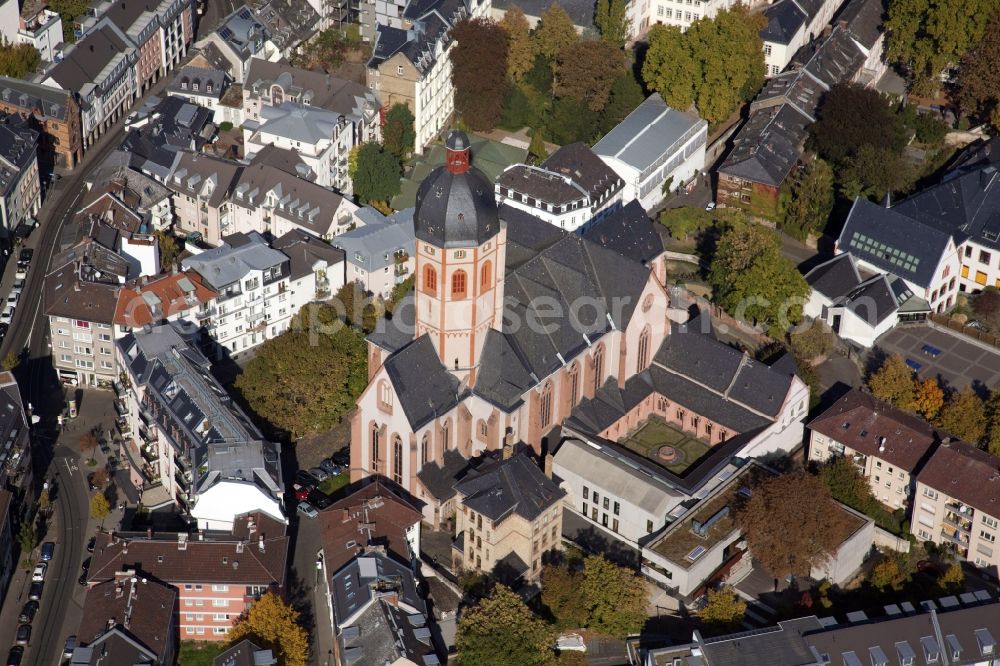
point(317, 269)
point(216, 575)
point(791, 24)
point(179, 296)
point(54, 113)
point(680, 13)
point(16, 471)
point(379, 253)
point(957, 503)
point(240, 37)
point(889, 446)
point(570, 189)
point(186, 441)
point(20, 185)
point(163, 127)
point(205, 87)
point(40, 27)
point(201, 185)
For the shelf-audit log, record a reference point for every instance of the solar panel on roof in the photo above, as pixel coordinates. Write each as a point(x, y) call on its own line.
point(696, 553)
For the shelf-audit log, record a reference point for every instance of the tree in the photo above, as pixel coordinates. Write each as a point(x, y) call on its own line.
point(964, 415)
point(537, 146)
point(501, 630)
point(479, 71)
point(807, 200)
point(169, 247)
point(520, 49)
point(18, 60)
point(99, 507)
point(377, 175)
point(670, 67)
point(846, 483)
point(44, 501)
point(978, 88)
point(986, 304)
point(586, 71)
point(686, 222)
point(398, 135)
point(952, 581)
point(928, 398)
point(272, 623)
point(626, 95)
point(887, 574)
point(851, 117)
point(893, 382)
point(993, 418)
point(927, 37)
point(562, 595)
point(10, 361)
point(88, 443)
point(615, 597)
point(612, 21)
point(68, 10)
point(99, 478)
point(724, 608)
point(751, 279)
point(816, 340)
point(873, 172)
point(570, 121)
point(798, 499)
point(555, 32)
point(27, 537)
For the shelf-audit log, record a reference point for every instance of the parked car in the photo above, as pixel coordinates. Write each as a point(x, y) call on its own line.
point(35, 591)
point(318, 499)
point(91, 544)
point(27, 615)
point(39, 573)
point(711, 206)
point(306, 509)
point(330, 467)
point(69, 647)
point(7, 316)
point(25, 256)
point(12, 298)
point(23, 634)
point(342, 457)
point(22, 272)
point(320, 475)
point(301, 492)
point(304, 478)
point(4, 327)
point(48, 550)
point(15, 656)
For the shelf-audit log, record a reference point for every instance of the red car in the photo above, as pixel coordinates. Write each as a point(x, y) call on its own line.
point(304, 482)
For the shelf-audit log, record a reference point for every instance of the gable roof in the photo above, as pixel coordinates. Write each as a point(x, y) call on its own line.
point(139, 608)
point(245, 653)
point(424, 387)
point(372, 245)
point(304, 250)
point(628, 231)
point(965, 473)
point(649, 132)
point(512, 486)
point(141, 304)
point(784, 20)
point(228, 263)
point(835, 277)
point(317, 89)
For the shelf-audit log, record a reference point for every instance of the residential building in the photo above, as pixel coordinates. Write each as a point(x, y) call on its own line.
point(20, 184)
point(767, 149)
point(509, 516)
point(9, 20)
point(318, 270)
point(956, 503)
point(642, 16)
point(186, 441)
point(410, 64)
point(253, 302)
point(161, 129)
point(16, 472)
point(792, 24)
point(377, 613)
point(888, 445)
point(40, 27)
point(205, 87)
point(127, 619)
point(201, 185)
point(462, 338)
point(374, 517)
point(655, 149)
point(179, 296)
point(116, 219)
point(145, 196)
point(239, 37)
point(245, 653)
point(379, 253)
point(570, 189)
point(216, 575)
point(54, 113)
point(290, 23)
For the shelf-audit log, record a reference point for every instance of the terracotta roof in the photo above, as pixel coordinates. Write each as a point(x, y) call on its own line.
point(172, 292)
point(387, 514)
point(875, 428)
point(965, 473)
point(213, 558)
point(137, 606)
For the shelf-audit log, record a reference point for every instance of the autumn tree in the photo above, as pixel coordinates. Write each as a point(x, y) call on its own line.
point(537, 146)
point(18, 60)
point(10, 361)
point(99, 507)
point(807, 200)
point(893, 382)
point(68, 10)
point(612, 21)
point(928, 398)
point(273, 624)
point(798, 499)
point(986, 304)
point(753, 281)
point(479, 71)
point(952, 581)
point(562, 595)
point(88, 443)
point(978, 88)
point(169, 248)
point(500, 630)
point(586, 71)
point(376, 176)
point(615, 597)
point(724, 608)
point(964, 415)
point(555, 32)
point(992, 443)
point(887, 574)
point(520, 48)
point(398, 134)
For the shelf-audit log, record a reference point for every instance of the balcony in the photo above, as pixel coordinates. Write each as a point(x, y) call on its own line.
point(957, 521)
point(149, 454)
point(202, 315)
point(123, 427)
point(120, 408)
point(954, 536)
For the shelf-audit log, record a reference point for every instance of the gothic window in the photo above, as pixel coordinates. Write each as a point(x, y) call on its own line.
point(643, 350)
point(574, 384)
point(430, 280)
point(397, 459)
point(598, 368)
point(374, 448)
point(458, 284)
point(545, 405)
point(425, 449)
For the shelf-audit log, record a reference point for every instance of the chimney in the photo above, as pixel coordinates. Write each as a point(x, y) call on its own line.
point(182, 541)
point(239, 547)
point(149, 532)
point(260, 543)
point(548, 464)
point(508, 445)
point(347, 516)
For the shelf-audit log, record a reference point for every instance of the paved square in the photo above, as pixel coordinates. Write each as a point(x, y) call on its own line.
point(961, 362)
point(656, 433)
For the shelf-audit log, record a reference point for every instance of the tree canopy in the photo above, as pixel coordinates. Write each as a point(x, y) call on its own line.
point(587, 71)
point(612, 21)
point(99, 506)
point(978, 87)
point(928, 397)
point(18, 60)
point(479, 71)
point(724, 609)
point(376, 175)
point(555, 31)
point(850, 117)
point(807, 200)
point(964, 415)
point(69, 10)
point(520, 48)
point(500, 630)
point(398, 134)
point(615, 597)
point(893, 382)
point(273, 624)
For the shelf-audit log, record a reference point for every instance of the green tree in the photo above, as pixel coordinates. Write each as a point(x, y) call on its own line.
point(18, 60)
point(724, 608)
point(873, 172)
point(169, 248)
point(851, 117)
point(555, 32)
point(952, 581)
point(99, 507)
point(479, 72)
point(751, 279)
point(10, 361)
point(274, 624)
point(562, 595)
point(816, 340)
point(520, 48)
point(846, 483)
point(807, 200)
point(612, 21)
point(978, 87)
point(27, 537)
point(586, 71)
point(571, 121)
point(686, 222)
point(993, 419)
point(537, 146)
point(670, 66)
point(68, 10)
point(888, 574)
point(376, 177)
point(398, 134)
point(500, 630)
point(893, 382)
point(964, 415)
point(626, 95)
point(615, 597)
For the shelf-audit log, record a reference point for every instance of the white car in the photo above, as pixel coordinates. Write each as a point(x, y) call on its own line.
point(39, 573)
point(7, 315)
point(711, 206)
point(12, 298)
point(22, 272)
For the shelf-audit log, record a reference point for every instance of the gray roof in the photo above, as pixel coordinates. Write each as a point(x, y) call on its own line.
point(245, 653)
point(49, 102)
point(513, 486)
point(440, 480)
point(835, 277)
point(425, 388)
point(304, 203)
point(864, 19)
point(774, 646)
point(316, 89)
point(289, 22)
point(373, 245)
point(116, 167)
point(66, 295)
point(298, 122)
point(873, 300)
point(228, 263)
point(768, 147)
point(580, 11)
point(649, 133)
point(285, 159)
point(18, 150)
point(193, 172)
point(203, 78)
point(87, 60)
point(628, 231)
point(784, 20)
point(305, 250)
point(243, 32)
point(579, 162)
point(383, 634)
point(431, 21)
point(354, 587)
point(13, 424)
point(172, 125)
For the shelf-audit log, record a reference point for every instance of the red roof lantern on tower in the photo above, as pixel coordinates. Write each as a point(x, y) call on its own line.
point(457, 145)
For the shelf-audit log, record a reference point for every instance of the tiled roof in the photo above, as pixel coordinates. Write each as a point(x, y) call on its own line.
point(835, 277)
point(141, 304)
point(137, 606)
point(965, 473)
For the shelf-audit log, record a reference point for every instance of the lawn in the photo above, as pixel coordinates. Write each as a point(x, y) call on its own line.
point(199, 653)
point(335, 483)
point(655, 433)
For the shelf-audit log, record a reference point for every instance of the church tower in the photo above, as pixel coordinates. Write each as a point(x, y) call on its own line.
point(460, 253)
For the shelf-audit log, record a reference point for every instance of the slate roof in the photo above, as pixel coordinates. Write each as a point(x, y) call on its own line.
point(875, 428)
point(193, 172)
point(513, 486)
point(784, 20)
point(115, 172)
point(965, 473)
point(835, 277)
point(540, 184)
point(301, 202)
point(114, 648)
point(172, 125)
point(628, 231)
point(245, 653)
point(385, 634)
point(315, 89)
point(82, 66)
point(873, 300)
point(773, 646)
point(290, 22)
point(47, 101)
point(228, 263)
point(66, 295)
point(580, 163)
point(439, 480)
point(864, 19)
point(353, 587)
point(430, 34)
point(284, 159)
point(978, 154)
point(140, 608)
point(243, 32)
point(580, 11)
point(304, 251)
point(18, 149)
point(425, 388)
point(768, 147)
point(372, 246)
point(203, 77)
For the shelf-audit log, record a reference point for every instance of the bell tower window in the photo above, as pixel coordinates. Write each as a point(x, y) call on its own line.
point(430, 280)
point(458, 284)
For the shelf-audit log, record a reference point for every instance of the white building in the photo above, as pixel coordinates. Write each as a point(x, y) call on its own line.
point(41, 28)
point(379, 254)
point(205, 87)
point(654, 149)
point(318, 269)
point(681, 13)
point(791, 24)
point(239, 37)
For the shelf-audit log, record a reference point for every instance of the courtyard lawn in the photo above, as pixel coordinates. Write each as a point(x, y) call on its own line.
point(199, 653)
point(335, 483)
point(655, 433)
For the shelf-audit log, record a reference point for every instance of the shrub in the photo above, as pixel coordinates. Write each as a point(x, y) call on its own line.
point(225, 126)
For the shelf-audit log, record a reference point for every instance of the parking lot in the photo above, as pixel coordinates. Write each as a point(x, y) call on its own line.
point(958, 361)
